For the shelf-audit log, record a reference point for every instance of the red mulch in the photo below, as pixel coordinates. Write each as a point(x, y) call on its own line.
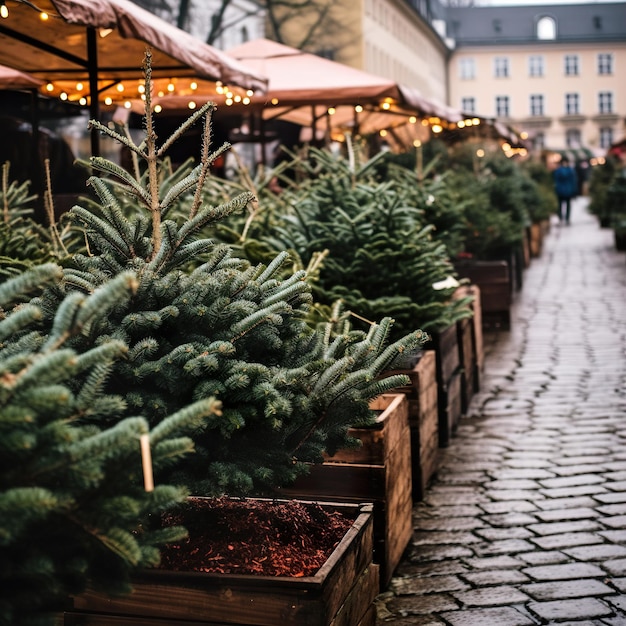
point(272, 538)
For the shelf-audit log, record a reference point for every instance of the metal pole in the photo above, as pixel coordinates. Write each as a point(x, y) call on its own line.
point(94, 105)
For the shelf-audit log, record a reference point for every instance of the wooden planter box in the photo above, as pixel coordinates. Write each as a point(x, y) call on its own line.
point(465, 334)
point(422, 395)
point(471, 349)
point(341, 593)
point(448, 363)
point(378, 472)
point(493, 278)
point(536, 239)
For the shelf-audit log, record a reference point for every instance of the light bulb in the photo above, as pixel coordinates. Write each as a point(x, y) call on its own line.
point(4, 10)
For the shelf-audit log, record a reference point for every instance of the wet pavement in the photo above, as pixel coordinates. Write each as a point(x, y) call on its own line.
point(525, 522)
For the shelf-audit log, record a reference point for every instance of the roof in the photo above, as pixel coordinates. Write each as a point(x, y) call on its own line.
point(575, 23)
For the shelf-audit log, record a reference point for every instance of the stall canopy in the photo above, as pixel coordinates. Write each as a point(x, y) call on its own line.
point(14, 79)
point(83, 47)
point(325, 96)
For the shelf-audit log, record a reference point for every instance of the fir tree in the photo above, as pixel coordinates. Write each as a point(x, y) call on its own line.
point(381, 255)
point(73, 506)
point(205, 323)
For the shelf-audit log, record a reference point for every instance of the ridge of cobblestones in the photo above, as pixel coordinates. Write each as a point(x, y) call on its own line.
point(525, 522)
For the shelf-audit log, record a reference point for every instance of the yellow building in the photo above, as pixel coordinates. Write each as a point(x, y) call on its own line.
point(553, 71)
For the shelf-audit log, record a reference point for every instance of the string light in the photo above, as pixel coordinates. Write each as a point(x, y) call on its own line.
point(170, 87)
point(4, 10)
point(120, 87)
point(246, 100)
point(108, 101)
point(192, 104)
point(332, 111)
point(158, 108)
point(79, 86)
point(193, 86)
point(49, 87)
point(358, 108)
point(43, 16)
point(63, 96)
point(82, 101)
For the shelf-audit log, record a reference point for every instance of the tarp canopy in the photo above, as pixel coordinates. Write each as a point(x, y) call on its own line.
point(14, 79)
point(79, 47)
point(324, 95)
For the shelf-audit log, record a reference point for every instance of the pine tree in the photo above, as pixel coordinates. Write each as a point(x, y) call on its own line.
point(381, 255)
point(205, 323)
point(73, 503)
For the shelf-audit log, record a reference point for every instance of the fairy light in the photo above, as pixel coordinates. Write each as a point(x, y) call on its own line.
point(120, 87)
point(358, 108)
point(424, 122)
point(461, 124)
point(63, 96)
point(229, 102)
point(475, 121)
point(332, 110)
point(480, 153)
point(141, 89)
point(79, 86)
point(246, 100)
point(82, 101)
point(161, 94)
point(192, 105)
point(49, 87)
point(386, 106)
point(237, 98)
point(412, 119)
point(158, 108)
point(383, 133)
point(108, 101)
point(417, 143)
point(127, 104)
point(437, 128)
point(170, 87)
point(43, 16)
point(193, 85)
point(4, 10)
point(249, 93)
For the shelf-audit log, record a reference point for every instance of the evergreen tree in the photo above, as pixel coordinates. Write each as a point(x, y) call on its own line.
point(381, 255)
point(205, 323)
point(73, 503)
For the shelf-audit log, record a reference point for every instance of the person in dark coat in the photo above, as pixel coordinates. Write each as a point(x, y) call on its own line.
point(565, 187)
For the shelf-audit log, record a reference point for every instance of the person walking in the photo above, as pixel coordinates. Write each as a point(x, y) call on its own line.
point(565, 187)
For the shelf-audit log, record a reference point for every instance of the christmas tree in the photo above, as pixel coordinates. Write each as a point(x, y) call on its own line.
point(75, 499)
point(205, 323)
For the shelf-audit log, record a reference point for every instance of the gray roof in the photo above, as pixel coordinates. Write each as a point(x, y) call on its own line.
point(575, 23)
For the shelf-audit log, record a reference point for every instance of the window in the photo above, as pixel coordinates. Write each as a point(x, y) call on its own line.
point(572, 138)
point(571, 104)
point(502, 106)
point(467, 69)
point(606, 138)
point(571, 65)
point(468, 105)
point(605, 63)
point(539, 141)
point(501, 67)
point(605, 102)
point(536, 104)
point(535, 65)
point(546, 28)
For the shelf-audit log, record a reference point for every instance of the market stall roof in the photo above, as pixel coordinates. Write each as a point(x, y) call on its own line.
point(14, 79)
point(80, 47)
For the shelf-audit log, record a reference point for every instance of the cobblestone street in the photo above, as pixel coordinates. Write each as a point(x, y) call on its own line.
point(525, 522)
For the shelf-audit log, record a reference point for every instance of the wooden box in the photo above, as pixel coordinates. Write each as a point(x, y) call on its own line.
point(450, 409)
point(341, 593)
point(478, 349)
point(536, 239)
point(493, 278)
point(422, 395)
point(468, 361)
point(378, 472)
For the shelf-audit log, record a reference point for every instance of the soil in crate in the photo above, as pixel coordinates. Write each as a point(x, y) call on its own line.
point(254, 537)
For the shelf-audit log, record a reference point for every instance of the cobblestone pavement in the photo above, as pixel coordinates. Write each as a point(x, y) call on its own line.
point(526, 520)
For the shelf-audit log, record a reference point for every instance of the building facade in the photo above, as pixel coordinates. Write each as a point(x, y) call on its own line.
point(555, 72)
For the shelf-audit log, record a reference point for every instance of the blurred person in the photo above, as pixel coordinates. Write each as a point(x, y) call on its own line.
point(566, 188)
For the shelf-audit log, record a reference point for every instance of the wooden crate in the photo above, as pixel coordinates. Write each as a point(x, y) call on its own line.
point(341, 593)
point(478, 349)
point(450, 409)
point(422, 395)
point(536, 239)
point(468, 361)
point(493, 278)
point(445, 342)
point(378, 472)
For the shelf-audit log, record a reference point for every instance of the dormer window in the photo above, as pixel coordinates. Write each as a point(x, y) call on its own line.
point(546, 27)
